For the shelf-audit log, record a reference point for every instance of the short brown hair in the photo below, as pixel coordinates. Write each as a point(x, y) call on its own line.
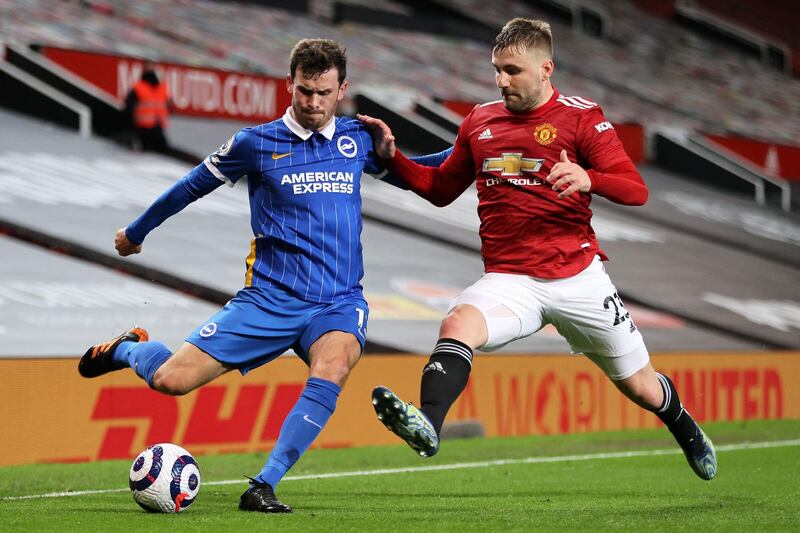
point(317, 56)
point(525, 34)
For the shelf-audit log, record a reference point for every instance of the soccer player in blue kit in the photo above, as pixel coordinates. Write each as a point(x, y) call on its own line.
point(302, 285)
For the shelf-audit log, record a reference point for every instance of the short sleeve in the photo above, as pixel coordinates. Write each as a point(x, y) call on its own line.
point(372, 163)
point(233, 159)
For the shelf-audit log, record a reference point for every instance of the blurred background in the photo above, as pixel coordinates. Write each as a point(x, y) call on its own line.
point(704, 94)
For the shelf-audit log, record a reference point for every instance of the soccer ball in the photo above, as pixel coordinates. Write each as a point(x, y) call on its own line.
point(164, 479)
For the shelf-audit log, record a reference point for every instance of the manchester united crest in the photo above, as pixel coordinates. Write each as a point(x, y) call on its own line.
point(545, 133)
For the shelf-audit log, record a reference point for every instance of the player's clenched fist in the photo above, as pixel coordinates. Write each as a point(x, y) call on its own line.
point(568, 177)
point(124, 246)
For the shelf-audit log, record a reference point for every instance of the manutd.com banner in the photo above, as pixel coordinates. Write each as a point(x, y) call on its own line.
point(49, 413)
point(194, 91)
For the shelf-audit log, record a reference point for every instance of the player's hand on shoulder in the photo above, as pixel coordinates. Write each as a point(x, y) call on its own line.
point(124, 246)
point(382, 136)
point(568, 177)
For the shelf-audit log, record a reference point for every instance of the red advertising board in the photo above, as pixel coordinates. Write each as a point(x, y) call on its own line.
point(54, 415)
point(775, 159)
point(195, 91)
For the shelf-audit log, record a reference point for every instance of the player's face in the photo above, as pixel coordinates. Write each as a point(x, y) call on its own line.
point(315, 97)
point(523, 77)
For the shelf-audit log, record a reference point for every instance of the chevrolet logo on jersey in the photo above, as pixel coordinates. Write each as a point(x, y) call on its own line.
point(512, 164)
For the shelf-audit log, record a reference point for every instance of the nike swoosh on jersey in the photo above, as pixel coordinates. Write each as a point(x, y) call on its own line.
point(305, 417)
point(278, 156)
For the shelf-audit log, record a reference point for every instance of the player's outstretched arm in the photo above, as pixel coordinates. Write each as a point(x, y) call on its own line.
point(620, 183)
point(433, 160)
point(440, 186)
point(194, 185)
point(429, 160)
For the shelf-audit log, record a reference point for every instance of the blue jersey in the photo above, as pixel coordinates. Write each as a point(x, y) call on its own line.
point(305, 203)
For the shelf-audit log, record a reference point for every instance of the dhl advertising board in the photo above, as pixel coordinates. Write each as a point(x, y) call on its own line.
point(49, 413)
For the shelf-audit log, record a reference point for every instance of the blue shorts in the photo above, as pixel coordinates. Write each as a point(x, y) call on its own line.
point(259, 324)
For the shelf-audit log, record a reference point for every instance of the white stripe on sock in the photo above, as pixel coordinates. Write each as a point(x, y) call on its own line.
point(453, 349)
point(667, 392)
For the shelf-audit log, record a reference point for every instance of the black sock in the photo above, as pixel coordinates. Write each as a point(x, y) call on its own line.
point(443, 379)
point(672, 413)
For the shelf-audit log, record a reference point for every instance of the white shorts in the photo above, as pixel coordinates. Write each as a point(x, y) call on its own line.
point(585, 309)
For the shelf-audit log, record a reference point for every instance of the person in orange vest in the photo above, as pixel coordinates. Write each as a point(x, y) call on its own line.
point(147, 106)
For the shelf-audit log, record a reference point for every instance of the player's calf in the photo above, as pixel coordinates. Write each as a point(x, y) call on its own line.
point(444, 378)
point(656, 392)
point(171, 383)
point(179, 373)
point(300, 428)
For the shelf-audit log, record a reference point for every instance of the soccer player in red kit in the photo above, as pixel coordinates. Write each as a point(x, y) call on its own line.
point(536, 157)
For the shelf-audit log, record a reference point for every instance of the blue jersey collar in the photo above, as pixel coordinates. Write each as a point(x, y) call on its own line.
point(303, 133)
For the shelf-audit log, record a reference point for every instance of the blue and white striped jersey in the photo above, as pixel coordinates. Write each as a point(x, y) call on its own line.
point(305, 203)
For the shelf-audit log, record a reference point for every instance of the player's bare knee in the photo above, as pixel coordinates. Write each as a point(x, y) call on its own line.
point(454, 325)
point(333, 356)
point(464, 323)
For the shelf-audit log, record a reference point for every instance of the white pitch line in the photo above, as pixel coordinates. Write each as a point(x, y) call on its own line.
point(450, 466)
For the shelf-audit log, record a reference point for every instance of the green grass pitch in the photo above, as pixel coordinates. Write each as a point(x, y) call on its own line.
point(589, 485)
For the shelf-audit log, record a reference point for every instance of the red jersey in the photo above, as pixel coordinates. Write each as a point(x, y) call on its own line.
point(525, 228)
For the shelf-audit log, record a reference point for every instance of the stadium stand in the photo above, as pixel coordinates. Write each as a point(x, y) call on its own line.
point(776, 18)
point(767, 30)
point(691, 78)
point(395, 8)
point(649, 69)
